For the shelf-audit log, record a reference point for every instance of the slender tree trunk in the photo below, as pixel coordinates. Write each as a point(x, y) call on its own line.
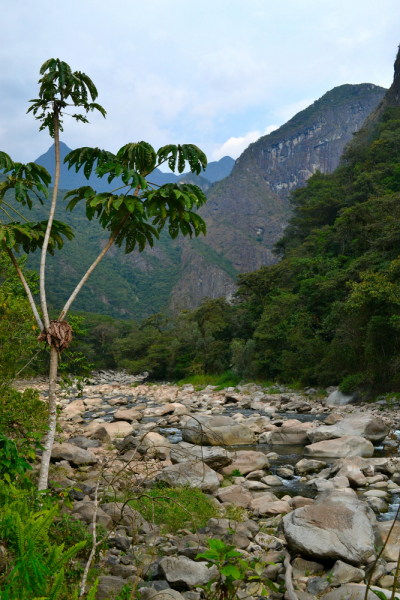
point(50, 223)
point(48, 444)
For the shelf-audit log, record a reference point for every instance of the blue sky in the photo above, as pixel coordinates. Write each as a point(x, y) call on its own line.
point(218, 73)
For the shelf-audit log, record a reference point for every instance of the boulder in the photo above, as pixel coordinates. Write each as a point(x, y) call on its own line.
point(73, 454)
point(193, 474)
point(349, 445)
point(305, 466)
point(214, 457)
point(246, 461)
point(183, 573)
point(148, 592)
point(344, 573)
point(153, 443)
point(84, 511)
point(392, 550)
point(129, 414)
point(352, 468)
point(73, 409)
point(101, 434)
point(124, 515)
point(264, 507)
point(363, 425)
point(270, 542)
point(293, 433)
point(272, 480)
point(118, 429)
point(236, 495)
point(109, 587)
point(332, 419)
point(355, 591)
point(83, 442)
point(336, 527)
point(305, 568)
point(217, 431)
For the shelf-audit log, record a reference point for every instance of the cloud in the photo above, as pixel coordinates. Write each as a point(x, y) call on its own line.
point(236, 145)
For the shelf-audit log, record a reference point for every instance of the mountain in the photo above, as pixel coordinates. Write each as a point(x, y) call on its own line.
point(69, 179)
point(246, 214)
point(247, 211)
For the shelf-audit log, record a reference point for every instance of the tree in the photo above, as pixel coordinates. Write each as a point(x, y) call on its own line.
point(134, 213)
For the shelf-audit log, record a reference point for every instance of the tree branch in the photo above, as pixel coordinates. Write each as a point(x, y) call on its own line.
point(26, 288)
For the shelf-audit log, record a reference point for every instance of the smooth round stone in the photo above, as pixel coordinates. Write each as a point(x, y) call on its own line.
point(272, 455)
point(376, 494)
point(271, 480)
point(256, 486)
point(379, 484)
point(393, 486)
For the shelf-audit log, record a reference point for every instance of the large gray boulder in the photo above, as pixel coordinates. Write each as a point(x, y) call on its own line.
point(337, 398)
point(122, 514)
point(217, 431)
point(214, 457)
point(350, 445)
point(109, 587)
point(292, 433)
point(73, 454)
point(364, 425)
point(392, 550)
point(337, 526)
point(193, 474)
point(355, 591)
point(237, 495)
point(183, 573)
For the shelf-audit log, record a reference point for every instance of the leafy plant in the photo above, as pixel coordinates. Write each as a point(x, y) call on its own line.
point(12, 465)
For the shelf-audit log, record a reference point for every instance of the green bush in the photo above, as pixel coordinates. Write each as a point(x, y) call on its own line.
point(351, 383)
point(175, 508)
point(23, 418)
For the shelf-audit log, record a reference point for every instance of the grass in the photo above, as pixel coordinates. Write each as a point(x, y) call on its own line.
point(176, 508)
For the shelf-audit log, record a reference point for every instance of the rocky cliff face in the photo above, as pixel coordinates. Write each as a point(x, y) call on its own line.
point(247, 211)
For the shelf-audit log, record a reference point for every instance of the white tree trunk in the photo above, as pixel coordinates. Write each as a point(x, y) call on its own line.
point(48, 444)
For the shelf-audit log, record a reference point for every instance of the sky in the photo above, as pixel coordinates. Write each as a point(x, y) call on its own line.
point(216, 73)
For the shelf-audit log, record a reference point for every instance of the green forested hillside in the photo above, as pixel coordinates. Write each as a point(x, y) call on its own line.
point(329, 312)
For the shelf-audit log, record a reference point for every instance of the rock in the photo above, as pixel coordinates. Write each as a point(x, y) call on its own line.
point(332, 419)
point(117, 401)
point(123, 571)
point(119, 542)
point(285, 472)
point(291, 433)
point(101, 434)
point(154, 444)
point(83, 442)
point(270, 542)
point(316, 585)
point(236, 495)
point(246, 461)
point(118, 429)
point(214, 457)
point(72, 454)
point(352, 468)
point(363, 425)
point(126, 516)
point(305, 568)
point(392, 550)
point(334, 527)
point(193, 474)
point(344, 573)
point(148, 591)
point(272, 480)
point(354, 591)
point(129, 414)
point(73, 409)
point(85, 511)
point(336, 398)
point(183, 573)
point(267, 507)
point(340, 448)
point(258, 475)
point(300, 501)
point(305, 466)
point(217, 431)
point(109, 587)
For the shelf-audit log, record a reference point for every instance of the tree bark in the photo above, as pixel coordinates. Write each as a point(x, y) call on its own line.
point(50, 223)
point(48, 444)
